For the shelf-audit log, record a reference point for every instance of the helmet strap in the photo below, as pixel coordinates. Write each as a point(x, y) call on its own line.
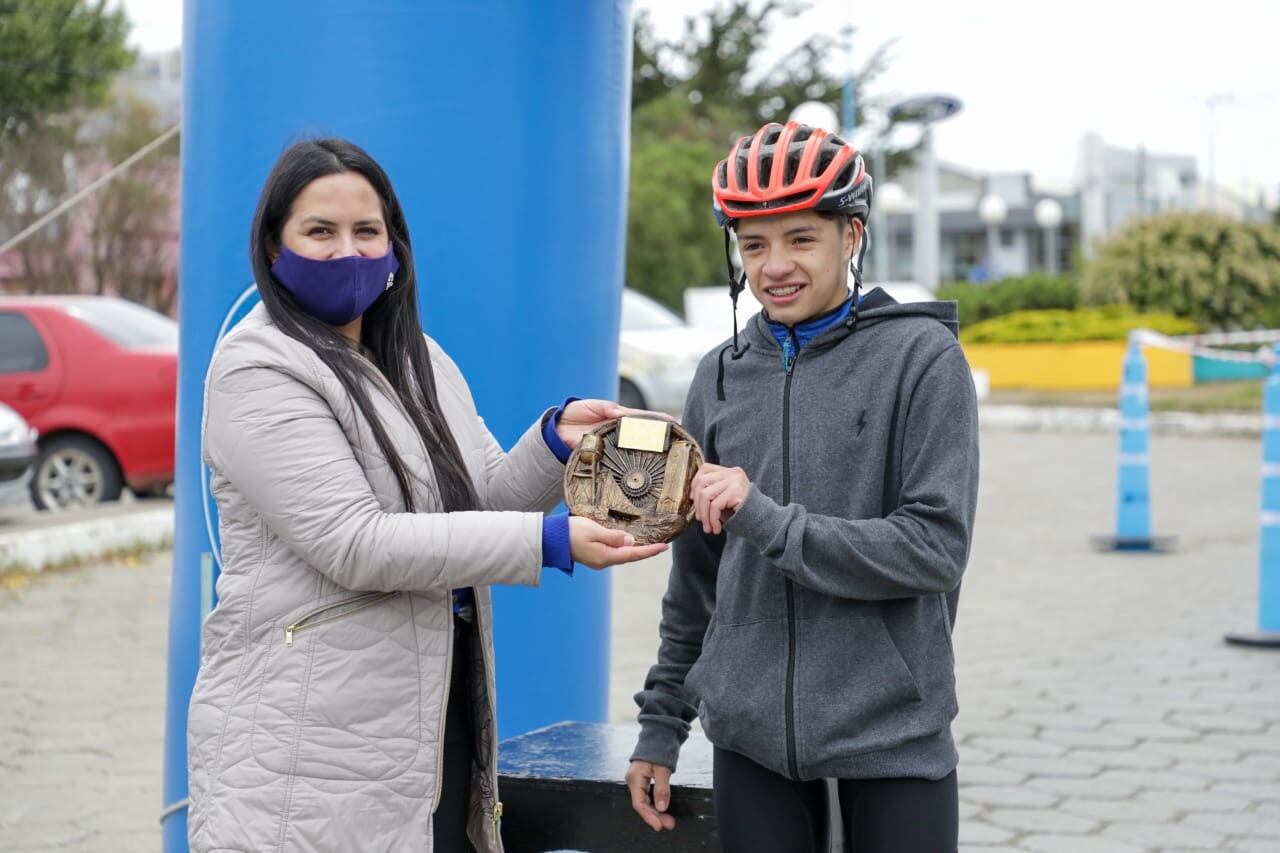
point(855, 267)
point(736, 285)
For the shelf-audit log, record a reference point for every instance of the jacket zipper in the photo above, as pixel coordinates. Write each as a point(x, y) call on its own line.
point(493, 712)
point(345, 608)
point(792, 764)
point(444, 711)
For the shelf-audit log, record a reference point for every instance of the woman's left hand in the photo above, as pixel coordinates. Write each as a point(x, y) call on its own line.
point(582, 416)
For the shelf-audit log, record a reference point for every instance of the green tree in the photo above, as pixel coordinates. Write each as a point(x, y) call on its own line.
point(1208, 268)
point(691, 98)
point(56, 55)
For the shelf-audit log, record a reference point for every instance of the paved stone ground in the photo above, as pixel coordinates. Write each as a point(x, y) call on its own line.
point(1100, 709)
point(82, 679)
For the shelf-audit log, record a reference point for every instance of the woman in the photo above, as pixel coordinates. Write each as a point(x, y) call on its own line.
point(345, 694)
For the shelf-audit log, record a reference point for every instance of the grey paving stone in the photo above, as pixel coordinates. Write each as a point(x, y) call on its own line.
point(1191, 751)
point(985, 774)
point(1137, 758)
point(1253, 744)
point(1067, 766)
point(1164, 836)
point(1228, 771)
point(1075, 844)
point(1018, 746)
point(1154, 731)
point(1203, 801)
point(1008, 795)
point(1158, 780)
point(1248, 824)
point(1102, 738)
point(1119, 810)
point(1041, 820)
point(981, 832)
point(1235, 724)
point(1092, 787)
point(1058, 720)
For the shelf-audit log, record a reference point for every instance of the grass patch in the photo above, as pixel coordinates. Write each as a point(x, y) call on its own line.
point(1210, 398)
point(14, 575)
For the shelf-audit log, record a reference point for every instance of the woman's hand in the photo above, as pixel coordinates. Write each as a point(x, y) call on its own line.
point(597, 546)
point(582, 416)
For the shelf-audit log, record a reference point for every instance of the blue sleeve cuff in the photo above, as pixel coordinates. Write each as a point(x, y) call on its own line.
point(555, 543)
point(552, 438)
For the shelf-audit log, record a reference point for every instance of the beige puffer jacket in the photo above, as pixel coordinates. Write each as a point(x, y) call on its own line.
point(319, 709)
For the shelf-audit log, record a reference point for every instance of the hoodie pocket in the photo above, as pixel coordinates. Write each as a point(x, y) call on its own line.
point(855, 691)
point(341, 692)
point(739, 686)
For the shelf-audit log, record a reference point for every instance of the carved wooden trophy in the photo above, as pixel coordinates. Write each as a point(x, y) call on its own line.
point(634, 474)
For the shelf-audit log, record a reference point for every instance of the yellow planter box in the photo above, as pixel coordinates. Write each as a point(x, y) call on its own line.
point(1088, 365)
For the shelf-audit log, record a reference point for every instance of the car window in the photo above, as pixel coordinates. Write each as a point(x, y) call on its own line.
point(126, 324)
point(21, 348)
point(641, 313)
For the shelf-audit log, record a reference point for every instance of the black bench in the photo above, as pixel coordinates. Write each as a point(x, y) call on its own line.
point(563, 788)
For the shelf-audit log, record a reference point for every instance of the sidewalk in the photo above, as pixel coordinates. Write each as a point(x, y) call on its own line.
point(1100, 710)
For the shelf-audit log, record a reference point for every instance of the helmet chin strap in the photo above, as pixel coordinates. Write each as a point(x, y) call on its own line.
point(855, 267)
point(736, 285)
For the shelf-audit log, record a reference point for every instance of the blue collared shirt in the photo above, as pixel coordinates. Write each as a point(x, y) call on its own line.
point(794, 339)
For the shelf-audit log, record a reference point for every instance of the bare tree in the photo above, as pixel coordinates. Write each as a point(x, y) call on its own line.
point(132, 221)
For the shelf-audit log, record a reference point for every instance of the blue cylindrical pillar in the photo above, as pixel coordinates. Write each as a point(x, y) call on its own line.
point(1268, 633)
point(504, 126)
point(1133, 503)
point(1133, 476)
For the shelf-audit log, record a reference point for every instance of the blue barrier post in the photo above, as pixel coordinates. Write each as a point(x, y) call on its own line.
point(504, 125)
point(1133, 480)
point(1268, 633)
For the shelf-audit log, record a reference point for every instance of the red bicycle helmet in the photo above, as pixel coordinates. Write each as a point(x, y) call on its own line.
point(782, 168)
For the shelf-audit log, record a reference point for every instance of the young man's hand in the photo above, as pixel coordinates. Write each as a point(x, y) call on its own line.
point(638, 776)
point(582, 416)
point(717, 494)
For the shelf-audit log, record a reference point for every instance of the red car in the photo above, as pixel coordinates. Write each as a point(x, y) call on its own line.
point(98, 378)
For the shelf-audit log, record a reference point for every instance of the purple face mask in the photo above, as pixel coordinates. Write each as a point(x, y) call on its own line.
point(337, 290)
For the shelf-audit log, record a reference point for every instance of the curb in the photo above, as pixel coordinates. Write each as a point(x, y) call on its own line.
point(46, 543)
point(1097, 420)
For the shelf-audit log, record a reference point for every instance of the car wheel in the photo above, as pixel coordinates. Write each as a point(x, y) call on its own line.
point(74, 471)
point(629, 395)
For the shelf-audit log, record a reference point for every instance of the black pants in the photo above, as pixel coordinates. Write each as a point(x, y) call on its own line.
point(459, 750)
point(759, 810)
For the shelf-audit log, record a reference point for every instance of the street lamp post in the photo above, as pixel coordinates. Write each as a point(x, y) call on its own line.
point(1049, 216)
point(926, 111)
point(992, 210)
point(891, 200)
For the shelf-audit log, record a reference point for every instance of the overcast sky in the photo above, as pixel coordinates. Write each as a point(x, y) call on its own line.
point(1034, 76)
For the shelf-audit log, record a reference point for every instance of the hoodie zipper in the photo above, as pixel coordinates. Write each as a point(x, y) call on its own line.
point(792, 764)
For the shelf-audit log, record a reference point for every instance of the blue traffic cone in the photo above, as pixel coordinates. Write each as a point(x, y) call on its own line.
point(1268, 633)
point(1133, 498)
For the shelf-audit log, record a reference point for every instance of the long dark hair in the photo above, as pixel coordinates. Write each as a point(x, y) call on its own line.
point(390, 331)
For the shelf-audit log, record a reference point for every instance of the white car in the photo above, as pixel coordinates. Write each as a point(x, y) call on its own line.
point(18, 454)
point(657, 354)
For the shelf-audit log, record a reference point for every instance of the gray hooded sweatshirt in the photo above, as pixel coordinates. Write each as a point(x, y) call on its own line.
point(814, 635)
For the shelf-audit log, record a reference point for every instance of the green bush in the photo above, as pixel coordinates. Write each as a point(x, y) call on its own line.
point(1214, 270)
point(1109, 323)
point(1035, 292)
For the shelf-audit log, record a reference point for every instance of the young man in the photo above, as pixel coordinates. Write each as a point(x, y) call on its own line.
point(808, 617)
